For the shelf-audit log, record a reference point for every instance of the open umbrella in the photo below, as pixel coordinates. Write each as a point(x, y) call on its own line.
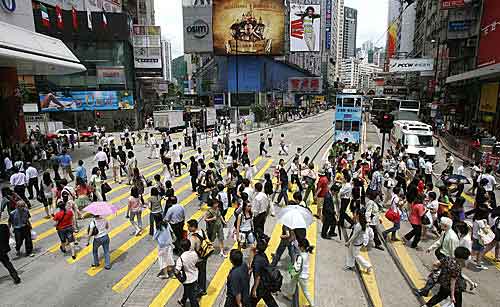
point(295, 217)
point(456, 179)
point(100, 208)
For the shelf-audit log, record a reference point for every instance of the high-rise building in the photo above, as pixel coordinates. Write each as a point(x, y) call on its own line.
point(350, 28)
point(406, 29)
point(339, 12)
point(349, 72)
point(145, 12)
point(166, 54)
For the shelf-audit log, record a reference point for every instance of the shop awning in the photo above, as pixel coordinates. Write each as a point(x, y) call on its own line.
point(34, 53)
point(488, 71)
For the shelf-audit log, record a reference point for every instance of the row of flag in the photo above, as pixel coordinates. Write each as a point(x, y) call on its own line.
point(74, 15)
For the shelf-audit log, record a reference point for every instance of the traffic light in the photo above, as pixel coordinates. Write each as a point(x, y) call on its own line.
point(387, 123)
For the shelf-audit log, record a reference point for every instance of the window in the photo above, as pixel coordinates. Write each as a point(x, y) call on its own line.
point(338, 125)
point(418, 140)
point(355, 126)
point(348, 102)
point(347, 126)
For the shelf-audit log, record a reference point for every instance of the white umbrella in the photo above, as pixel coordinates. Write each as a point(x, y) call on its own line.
point(295, 217)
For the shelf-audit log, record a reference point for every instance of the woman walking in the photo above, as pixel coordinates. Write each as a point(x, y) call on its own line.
point(354, 244)
point(64, 225)
point(300, 272)
point(417, 210)
point(134, 210)
point(98, 229)
point(156, 215)
point(131, 165)
point(47, 187)
point(244, 227)
point(96, 185)
point(115, 165)
point(139, 182)
point(215, 225)
point(163, 236)
point(82, 191)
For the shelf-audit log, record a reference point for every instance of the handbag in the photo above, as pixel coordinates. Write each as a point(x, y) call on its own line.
point(181, 274)
point(106, 187)
point(93, 231)
point(486, 236)
point(393, 215)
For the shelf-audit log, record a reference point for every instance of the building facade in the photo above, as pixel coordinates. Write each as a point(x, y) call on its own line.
point(166, 54)
point(350, 30)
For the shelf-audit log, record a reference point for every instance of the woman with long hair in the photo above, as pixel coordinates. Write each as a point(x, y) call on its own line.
point(244, 227)
point(115, 165)
point(96, 185)
point(47, 188)
point(83, 192)
point(300, 272)
point(139, 182)
point(131, 165)
point(134, 210)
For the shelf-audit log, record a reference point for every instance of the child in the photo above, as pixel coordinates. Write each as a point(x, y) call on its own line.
point(300, 271)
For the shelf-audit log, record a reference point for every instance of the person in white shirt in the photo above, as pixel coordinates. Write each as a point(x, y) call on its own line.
point(475, 173)
point(345, 194)
point(102, 161)
point(491, 185)
point(248, 172)
point(7, 162)
point(176, 159)
point(32, 177)
point(294, 173)
point(260, 208)
point(301, 267)
point(428, 172)
point(270, 137)
point(153, 150)
point(450, 163)
point(187, 262)
point(19, 182)
point(356, 241)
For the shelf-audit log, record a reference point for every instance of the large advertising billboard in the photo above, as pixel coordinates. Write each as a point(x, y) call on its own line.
point(86, 101)
point(305, 27)
point(489, 52)
point(197, 28)
point(147, 47)
point(248, 27)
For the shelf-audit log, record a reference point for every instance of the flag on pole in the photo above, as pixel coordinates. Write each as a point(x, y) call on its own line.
point(104, 20)
point(89, 19)
point(59, 18)
point(45, 16)
point(74, 16)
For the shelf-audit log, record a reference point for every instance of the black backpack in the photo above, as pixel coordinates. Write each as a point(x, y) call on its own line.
point(271, 277)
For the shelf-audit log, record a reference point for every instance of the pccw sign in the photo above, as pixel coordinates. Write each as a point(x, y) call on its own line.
point(411, 65)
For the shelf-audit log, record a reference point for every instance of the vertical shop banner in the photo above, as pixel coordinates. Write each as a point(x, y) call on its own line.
point(452, 4)
point(328, 23)
point(198, 36)
point(305, 27)
point(489, 98)
point(489, 42)
point(392, 37)
point(253, 27)
point(86, 101)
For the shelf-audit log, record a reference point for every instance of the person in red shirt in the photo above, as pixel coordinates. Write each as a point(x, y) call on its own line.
point(416, 213)
point(64, 225)
point(321, 190)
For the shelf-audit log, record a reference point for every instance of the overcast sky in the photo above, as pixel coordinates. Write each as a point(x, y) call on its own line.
point(372, 21)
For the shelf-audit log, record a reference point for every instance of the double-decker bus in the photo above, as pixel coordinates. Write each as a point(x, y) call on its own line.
point(348, 117)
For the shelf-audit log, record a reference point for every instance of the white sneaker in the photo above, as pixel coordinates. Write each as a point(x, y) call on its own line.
point(481, 267)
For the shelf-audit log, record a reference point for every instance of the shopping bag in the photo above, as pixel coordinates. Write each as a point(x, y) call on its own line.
point(33, 235)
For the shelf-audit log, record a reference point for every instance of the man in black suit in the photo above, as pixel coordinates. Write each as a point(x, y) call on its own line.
point(4, 249)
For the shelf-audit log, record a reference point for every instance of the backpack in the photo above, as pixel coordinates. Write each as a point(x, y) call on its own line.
point(206, 246)
point(271, 277)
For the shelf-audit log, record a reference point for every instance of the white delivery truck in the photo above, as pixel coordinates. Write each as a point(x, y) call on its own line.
point(169, 120)
point(416, 136)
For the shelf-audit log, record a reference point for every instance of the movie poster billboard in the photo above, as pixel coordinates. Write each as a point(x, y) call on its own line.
point(248, 27)
point(86, 101)
point(305, 27)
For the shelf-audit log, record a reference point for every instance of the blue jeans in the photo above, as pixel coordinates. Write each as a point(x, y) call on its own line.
point(393, 229)
point(104, 242)
point(283, 194)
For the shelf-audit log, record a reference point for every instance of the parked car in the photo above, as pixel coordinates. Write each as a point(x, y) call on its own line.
point(86, 136)
point(65, 133)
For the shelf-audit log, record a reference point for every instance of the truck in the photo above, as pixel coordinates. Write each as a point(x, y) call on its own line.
point(169, 120)
point(417, 136)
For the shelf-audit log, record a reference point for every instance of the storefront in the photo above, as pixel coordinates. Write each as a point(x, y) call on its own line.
point(25, 52)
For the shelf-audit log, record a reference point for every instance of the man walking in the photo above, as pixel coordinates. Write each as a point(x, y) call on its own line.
point(260, 206)
point(32, 176)
point(238, 282)
point(262, 150)
point(102, 161)
point(18, 181)
point(4, 250)
point(270, 137)
point(65, 162)
point(175, 216)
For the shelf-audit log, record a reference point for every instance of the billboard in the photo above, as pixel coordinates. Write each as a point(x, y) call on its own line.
point(328, 25)
point(392, 39)
point(86, 101)
point(411, 65)
point(146, 41)
point(197, 29)
point(305, 27)
point(452, 4)
point(305, 84)
point(110, 75)
point(489, 98)
point(251, 27)
point(489, 53)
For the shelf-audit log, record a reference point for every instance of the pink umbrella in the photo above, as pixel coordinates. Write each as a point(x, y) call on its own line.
point(100, 208)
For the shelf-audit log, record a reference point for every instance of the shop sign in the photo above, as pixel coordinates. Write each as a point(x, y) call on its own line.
point(458, 26)
point(86, 101)
point(489, 98)
point(411, 65)
point(197, 21)
point(305, 84)
point(452, 4)
point(110, 75)
point(489, 53)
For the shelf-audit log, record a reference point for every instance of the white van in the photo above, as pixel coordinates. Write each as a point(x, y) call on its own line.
point(416, 136)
